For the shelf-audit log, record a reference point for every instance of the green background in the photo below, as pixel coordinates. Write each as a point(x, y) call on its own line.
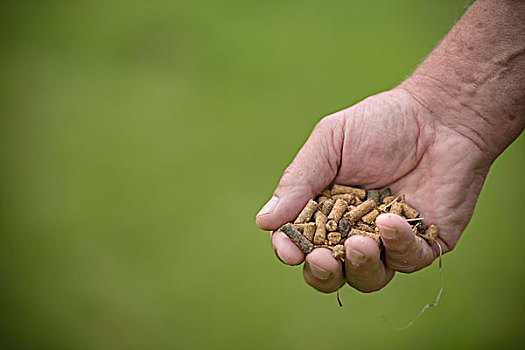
point(139, 139)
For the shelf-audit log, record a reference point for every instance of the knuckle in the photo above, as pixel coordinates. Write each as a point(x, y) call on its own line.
point(329, 125)
point(290, 176)
point(325, 122)
point(287, 176)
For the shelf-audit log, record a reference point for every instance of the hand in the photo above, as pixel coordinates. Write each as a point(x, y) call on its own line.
point(388, 140)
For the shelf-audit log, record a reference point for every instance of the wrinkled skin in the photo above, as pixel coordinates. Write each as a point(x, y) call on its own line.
point(389, 139)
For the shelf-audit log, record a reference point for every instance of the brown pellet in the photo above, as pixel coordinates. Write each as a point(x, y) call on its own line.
point(397, 208)
point(350, 199)
point(409, 212)
point(358, 212)
point(365, 227)
point(385, 193)
point(307, 212)
point(334, 237)
point(374, 236)
point(321, 199)
point(431, 234)
point(374, 195)
point(299, 227)
point(320, 230)
point(388, 199)
point(327, 206)
point(296, 237)
point(343, 228)
point(339, 189)
point(338, 251)
point(309, 231)
point(338, 210)
point(421, 228)
point(331, 225)
point(370, 218)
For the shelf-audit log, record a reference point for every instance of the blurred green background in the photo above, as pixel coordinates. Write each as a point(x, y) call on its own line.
point(139, 139)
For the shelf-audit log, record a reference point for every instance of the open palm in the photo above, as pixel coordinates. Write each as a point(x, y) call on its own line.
point(388, 140)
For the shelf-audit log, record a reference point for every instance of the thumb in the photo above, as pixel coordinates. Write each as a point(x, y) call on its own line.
point(311, 171)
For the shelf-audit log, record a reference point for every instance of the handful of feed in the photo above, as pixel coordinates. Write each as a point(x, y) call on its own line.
point(342, 211)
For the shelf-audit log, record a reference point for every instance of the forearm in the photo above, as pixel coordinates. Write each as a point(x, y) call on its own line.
point(474, 81)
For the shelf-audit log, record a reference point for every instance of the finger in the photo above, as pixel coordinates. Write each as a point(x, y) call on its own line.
point(404, 251)
point(322, 271)
point(364, 269)
point(312, 170)
point(286, 250)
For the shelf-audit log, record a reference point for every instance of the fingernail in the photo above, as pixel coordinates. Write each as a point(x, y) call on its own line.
point(356, 258)
point(269, 207)
point(319, 272)
point(388, 232)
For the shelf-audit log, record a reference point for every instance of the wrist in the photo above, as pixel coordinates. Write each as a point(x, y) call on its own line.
point(474, 82)
point(461, 107)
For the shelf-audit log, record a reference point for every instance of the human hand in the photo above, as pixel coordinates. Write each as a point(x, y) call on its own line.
point(388, 140)
point(432, 138)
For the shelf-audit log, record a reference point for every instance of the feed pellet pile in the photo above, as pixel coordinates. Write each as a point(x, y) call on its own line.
point(342, 211)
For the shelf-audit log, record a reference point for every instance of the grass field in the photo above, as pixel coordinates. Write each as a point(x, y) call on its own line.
point(139, 139)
